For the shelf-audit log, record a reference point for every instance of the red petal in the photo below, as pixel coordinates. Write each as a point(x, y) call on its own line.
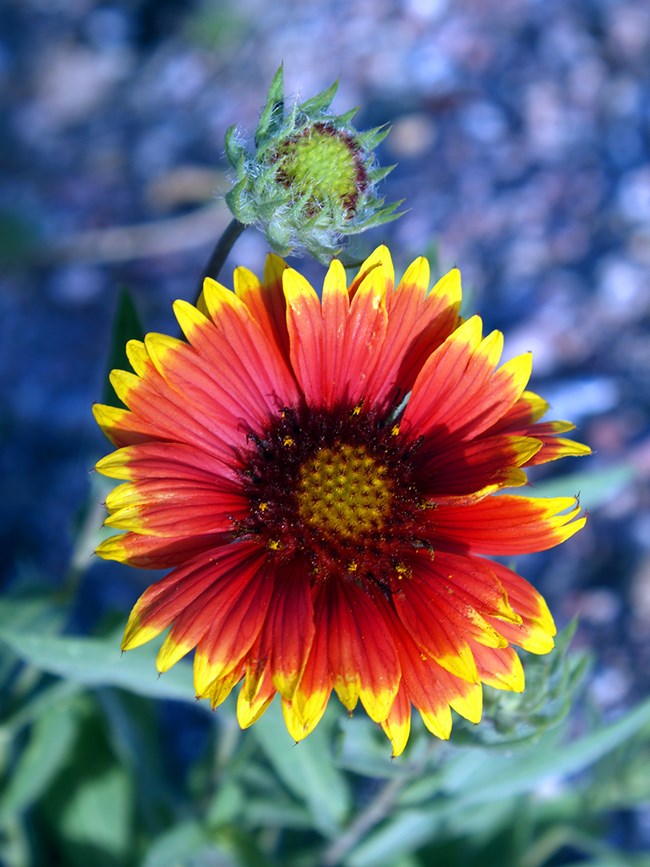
point(432, 689)
point(164, 460)
point(234, 350)
point(397, 726)
point(251, 703)
point(521, 419)
point(417, 324)
point(171, 508)
point(161, 603)
point(458, 393)
point(334, 347)
point(434, 625)
point(122, 427)
point(266, 302)
point(466, 467)
point(288, 631)
point(362, 657)
point(312, 693)
point(167, 414)
point(235, 623)
point(505, 524)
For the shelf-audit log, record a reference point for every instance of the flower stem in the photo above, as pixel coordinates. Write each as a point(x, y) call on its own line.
point(376, 810)
point(223, 246)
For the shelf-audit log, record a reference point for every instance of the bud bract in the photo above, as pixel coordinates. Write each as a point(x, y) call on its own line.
point(309, 177)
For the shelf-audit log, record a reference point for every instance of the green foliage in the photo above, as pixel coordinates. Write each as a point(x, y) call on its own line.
point(85, 774)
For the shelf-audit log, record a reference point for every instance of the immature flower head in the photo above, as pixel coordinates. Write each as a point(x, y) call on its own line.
point(325, 533)
point(310, 178)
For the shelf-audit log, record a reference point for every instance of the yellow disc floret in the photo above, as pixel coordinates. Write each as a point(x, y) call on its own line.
point(322, 163)
point(344, 492)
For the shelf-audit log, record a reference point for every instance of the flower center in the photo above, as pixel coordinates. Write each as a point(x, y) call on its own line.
point(323, 164)
point(344, 491)
point(337, 489)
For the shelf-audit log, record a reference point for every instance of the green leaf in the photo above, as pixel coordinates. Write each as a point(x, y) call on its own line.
point(364, 750)
point(405, 833)
point(477, 778)
point(99, 662)
point(306, 769)
point(36, 611)
point(95, 815)
point(515, 772)
point(176, 846)
point(50, 741)
point(127, 326)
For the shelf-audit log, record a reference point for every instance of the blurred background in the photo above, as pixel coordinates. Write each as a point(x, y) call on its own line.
point(521, 133)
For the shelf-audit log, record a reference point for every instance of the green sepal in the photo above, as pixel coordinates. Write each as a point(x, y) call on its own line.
point(380, 172)
point(273, 113)
point(321, 102)
point(240, 204)
point(371, 138)
point(344, 119)
point(278, 235)
point(235, 152)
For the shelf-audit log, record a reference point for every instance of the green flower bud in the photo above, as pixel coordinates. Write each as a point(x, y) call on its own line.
point(311, 177)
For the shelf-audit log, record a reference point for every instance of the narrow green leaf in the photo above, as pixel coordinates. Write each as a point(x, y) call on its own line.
point(322, 101)
point(36, 612)
point(520, 771)
point(50, 741)
point(97, 815)
point(98, 662)
point(127, 326)
point(178, 846)
point(277, 813)
point(477, 778)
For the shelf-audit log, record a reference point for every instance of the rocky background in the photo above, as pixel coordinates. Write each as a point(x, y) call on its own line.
point(521, 133)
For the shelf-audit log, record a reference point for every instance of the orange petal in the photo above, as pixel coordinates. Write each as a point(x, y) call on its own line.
point(505, 524)
point(266, 302)
point(362, 656)
point(397, 725)
point(418, 323)
point(500, 667)
point(464, 467)
point(458, 393)
point(235, 622)
point(288, 632)
point(536, 630)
